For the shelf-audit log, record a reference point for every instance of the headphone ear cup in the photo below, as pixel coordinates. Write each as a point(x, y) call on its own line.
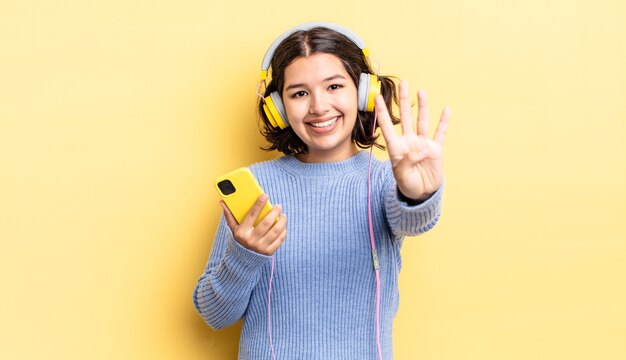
point(363, 91)
point(369, 87)
point(275, 111)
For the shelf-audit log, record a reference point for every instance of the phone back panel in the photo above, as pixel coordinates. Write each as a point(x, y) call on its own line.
point(247, 191)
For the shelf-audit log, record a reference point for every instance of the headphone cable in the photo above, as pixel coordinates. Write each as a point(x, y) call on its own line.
point(373, 243)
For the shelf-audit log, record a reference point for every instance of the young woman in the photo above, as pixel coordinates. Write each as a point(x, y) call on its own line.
point(317, 277)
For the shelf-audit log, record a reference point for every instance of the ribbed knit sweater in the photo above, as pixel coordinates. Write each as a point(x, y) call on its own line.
point(324, 288)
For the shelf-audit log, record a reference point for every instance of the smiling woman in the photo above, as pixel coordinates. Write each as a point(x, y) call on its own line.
point(320, 280)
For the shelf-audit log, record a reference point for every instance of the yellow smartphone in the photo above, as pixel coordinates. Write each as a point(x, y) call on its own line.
point(240, 190)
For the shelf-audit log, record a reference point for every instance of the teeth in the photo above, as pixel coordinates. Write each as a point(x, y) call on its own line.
point(324, 124)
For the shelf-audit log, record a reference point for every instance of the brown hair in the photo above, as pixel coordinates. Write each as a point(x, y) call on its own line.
point(309, 42)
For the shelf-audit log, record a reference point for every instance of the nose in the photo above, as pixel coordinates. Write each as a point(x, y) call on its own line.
point(319, 104)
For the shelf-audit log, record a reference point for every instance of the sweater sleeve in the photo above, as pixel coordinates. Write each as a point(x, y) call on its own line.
point(410, 220)
point(223, 291)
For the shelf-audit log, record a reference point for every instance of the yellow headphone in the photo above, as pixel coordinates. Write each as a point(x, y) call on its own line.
point(368, 87)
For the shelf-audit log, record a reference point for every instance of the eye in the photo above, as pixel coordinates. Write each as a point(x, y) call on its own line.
point(335, 87)
point(298, 94)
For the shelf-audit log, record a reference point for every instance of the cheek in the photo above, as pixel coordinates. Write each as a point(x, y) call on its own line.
point(350, 100)
point(295, 109)
point(349, 105)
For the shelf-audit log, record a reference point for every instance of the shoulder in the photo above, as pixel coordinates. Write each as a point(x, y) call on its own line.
point(270, 171)
point(381, 170)
point(273, 165)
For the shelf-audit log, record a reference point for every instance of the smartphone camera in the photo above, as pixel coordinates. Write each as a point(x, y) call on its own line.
point(226, 187)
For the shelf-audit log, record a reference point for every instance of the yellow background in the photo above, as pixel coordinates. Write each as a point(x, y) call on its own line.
point(116, 116)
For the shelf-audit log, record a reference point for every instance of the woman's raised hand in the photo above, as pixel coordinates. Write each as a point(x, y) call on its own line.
point(416, 159)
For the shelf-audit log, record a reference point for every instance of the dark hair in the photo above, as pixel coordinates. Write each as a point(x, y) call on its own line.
point(309, 42)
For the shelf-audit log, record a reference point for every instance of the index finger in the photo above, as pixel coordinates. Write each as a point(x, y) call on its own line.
point(255, 211)
point(384, 120)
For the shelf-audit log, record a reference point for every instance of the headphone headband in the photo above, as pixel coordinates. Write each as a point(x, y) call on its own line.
point(269, 54)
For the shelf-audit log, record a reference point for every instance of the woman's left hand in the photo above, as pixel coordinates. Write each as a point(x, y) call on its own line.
point(416, 160)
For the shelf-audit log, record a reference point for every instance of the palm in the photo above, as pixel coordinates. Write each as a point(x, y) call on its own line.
point(416, 160)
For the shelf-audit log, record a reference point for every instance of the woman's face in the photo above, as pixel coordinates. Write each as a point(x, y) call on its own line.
point(321, 103)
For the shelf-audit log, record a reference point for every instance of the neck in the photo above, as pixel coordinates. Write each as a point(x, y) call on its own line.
point(328, 156)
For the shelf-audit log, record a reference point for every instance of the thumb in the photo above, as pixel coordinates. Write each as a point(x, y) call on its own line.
point(230, 218)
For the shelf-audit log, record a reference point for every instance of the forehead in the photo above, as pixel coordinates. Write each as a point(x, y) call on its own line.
point(316, 67)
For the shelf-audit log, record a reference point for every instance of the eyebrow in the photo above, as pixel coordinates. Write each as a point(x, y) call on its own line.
point(333, 77)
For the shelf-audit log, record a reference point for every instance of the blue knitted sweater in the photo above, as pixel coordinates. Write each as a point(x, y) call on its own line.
point(324, 287)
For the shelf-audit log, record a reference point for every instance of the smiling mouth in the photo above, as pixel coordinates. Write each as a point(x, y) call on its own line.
point(324, 124)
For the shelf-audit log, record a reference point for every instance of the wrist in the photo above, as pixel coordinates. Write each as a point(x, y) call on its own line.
point(411, 200)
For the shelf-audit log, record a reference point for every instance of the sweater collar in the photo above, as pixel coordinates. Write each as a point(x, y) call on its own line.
point(293, 165)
